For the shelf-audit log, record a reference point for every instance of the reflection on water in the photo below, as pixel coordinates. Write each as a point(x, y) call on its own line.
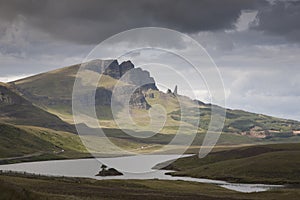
point(141, 165)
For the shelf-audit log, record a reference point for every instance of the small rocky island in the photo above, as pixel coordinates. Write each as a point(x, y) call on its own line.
point(108, 172)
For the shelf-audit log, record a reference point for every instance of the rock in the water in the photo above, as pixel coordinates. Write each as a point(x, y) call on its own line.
point(109, 172)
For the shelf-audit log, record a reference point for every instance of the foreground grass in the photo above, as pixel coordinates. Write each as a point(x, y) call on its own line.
point(276, 164)
point(16, 186)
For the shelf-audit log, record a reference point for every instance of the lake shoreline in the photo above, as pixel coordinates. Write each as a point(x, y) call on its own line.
point(67, 187)
point(107, 178)
point(238, 181)
point(140, 166)
point(158, 167)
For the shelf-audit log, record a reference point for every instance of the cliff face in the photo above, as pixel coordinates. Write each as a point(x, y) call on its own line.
point(140, 78)
point(134, 76)
point(127, 73)
point(109, 67)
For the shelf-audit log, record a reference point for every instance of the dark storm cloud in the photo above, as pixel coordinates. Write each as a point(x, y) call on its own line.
point(280, 18)
point(90, 21)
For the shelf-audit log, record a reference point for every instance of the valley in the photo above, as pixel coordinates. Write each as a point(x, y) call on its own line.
point(36, 124)
point(36, 115)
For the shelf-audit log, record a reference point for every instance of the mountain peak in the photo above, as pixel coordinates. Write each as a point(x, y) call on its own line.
point(112, 68)
point(109, 67)
point(125, 66)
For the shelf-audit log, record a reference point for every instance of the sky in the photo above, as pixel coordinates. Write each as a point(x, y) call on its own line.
point(254, 43)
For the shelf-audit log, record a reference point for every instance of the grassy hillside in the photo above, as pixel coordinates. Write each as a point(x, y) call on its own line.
point(18, 141)
point(53, 90)
point(29, 143)
point(246, 123)
point(276, 163)
point(14, 186)
point(55, 84)
point(17, 110)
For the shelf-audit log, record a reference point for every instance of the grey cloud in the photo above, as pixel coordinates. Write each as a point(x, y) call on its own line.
point(90, 21)
point(270, 91)
point(46, 34)
point(280, 18)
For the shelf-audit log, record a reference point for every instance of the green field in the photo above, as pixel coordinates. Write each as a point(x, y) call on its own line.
point(276, 164)
point(18, 186)
point(30, 143)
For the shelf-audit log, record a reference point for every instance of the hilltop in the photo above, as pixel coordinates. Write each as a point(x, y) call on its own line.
point(52, 91)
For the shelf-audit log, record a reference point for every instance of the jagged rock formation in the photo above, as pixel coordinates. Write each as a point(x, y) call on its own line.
point(107, 67)
point(109, 172)
point(138, 100)
point(169, 91)
point(141, 78)
point(125, 66)
point(134, 76)
point(4, 99)
point(175, 90)
point(138, 80)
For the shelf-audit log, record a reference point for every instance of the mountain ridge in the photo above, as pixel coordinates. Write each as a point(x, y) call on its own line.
point(52, 91)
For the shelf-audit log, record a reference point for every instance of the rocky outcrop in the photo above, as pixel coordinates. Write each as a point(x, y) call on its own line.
point(125, 66)
point(114, 69)
point(8, 97)
point(138, 100)
point(136, 78)
point(141, 78)
point(174, 93)
point(109, 172)
point(5, 99)
point(135, 96)
point(107, 67)
point(175, 90)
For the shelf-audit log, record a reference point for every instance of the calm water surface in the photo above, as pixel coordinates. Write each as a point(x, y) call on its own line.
point(142, 166)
